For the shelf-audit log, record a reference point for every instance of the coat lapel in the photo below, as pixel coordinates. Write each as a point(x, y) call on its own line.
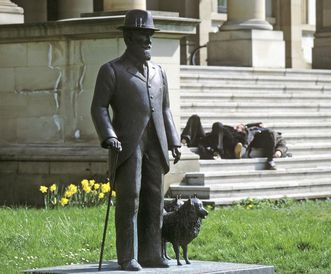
point(135, 72)
point(152, 70)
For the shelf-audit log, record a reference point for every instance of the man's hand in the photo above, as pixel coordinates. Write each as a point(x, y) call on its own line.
point(176, 154)
point(278, 154)
point(112, 143)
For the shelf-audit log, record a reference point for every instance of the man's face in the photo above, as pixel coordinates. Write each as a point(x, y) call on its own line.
point(240, 128)
point(139, 44)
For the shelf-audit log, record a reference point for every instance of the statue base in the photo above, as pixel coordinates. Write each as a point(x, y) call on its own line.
point(195, 267)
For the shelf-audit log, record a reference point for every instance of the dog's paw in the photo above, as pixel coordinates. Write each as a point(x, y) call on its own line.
point(179, 263)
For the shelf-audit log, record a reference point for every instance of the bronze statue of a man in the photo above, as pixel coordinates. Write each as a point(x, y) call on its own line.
point(142, 128)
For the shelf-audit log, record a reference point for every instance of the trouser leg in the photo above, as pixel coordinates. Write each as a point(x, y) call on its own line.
point(266, 141)
point(150, 214)
point(128, 183)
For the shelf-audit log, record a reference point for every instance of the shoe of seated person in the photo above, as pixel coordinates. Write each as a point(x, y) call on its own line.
point(237, 150)
point(270, 165)
point(131, 265)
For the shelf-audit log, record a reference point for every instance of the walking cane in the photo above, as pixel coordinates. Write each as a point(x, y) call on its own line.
point(113, 156)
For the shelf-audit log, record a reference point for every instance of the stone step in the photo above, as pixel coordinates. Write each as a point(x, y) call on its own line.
point(258, 176)
point(230, 96)
point(221, 107)
point(257, 87)
point(238, 117)
point(262, 189)
point(218, 79)
point(301, 161)
point(237, 199)
point(245, 71)
point(303, 148)
point(286, 126)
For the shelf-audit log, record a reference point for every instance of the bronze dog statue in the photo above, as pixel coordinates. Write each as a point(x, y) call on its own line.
point(182, 225)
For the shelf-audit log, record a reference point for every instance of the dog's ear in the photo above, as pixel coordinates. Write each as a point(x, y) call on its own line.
point(195, 195)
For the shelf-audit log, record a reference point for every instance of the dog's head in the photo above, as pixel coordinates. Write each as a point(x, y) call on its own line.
point(197, 206)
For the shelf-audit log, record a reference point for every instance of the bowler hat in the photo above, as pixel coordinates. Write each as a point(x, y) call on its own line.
point(138, 19)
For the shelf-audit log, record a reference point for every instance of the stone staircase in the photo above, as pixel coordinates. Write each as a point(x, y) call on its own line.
point(294, 102)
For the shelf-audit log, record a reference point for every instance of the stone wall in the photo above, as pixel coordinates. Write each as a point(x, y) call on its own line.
point(47, 76)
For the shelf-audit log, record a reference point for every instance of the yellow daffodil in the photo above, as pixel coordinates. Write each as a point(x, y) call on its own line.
point(91, 182)
point(250, 206)
point(84, 183)
point(96, 186)
point(105, 188)
point(114, 194)
point(43, 189)
point(87, 189)
point(68, 194)
point(101, 195)
point(64, 201)
point(52, 187)
point(72, 188)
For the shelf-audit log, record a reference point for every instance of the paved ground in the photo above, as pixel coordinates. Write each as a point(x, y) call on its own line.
point(195, 267)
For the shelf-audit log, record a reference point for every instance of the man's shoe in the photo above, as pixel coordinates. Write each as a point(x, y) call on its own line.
point(271, 165)
point(237, 150)
point(132, 265)
point(162, 263)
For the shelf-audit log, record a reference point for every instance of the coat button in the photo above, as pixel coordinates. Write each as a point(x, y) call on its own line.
point(153, 109)
point(151, 97)
point(149, 85)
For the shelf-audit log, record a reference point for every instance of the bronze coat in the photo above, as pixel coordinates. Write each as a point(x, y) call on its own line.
point(133, 100)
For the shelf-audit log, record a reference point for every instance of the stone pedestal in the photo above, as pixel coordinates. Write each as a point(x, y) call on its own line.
point(115, 5)
point(247, 48)
point(10, 13)
point(246, 38)
point(196, 267)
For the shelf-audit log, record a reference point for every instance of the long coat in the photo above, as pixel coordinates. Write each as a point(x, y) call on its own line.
point(134, 100)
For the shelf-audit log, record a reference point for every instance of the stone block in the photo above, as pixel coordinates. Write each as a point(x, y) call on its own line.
point(165, 51)
point(91, 76)
point(13, 55)
point(250, 48)
point(97, 52)
point(30, 167)
point(8, 128)
point(100, 168)
point(7, 80)
point(40, 129)
point(81, 168)
point(38, 54)
point(8, 167)
point(37, 79)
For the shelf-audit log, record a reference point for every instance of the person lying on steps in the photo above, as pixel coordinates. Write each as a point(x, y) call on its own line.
point(234, 142)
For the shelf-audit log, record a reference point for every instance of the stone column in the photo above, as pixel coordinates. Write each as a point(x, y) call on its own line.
point(119, 5)
point(289, 20)
point(34, 11)
point(246, 38)
point(246, 14)
point(10, 13)
point(322, 42)
point(73, 8)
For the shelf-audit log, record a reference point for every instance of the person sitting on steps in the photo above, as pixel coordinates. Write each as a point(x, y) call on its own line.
point(234, 142)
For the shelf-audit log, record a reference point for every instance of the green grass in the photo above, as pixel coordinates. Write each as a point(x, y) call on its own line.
point(295, 237)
